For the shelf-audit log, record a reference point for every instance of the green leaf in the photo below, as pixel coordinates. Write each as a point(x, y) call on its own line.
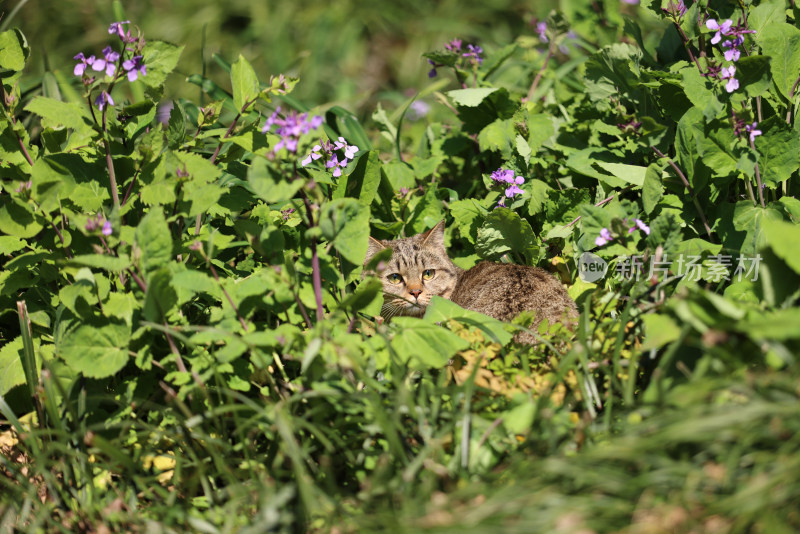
point(160, 297)
point(784, 240)
point(715, 145)
point(427, 212)
point(441, 310)
point(244, 83)
point(470, 97)
point(779, 152)
point(345, 223)
point(425, 343)
point(96, 350)
point(753, 73)
point(17, 218)
point(161, 59)
point(366, 297)
point(153, 239)
point(468, 215)
point(499, 136)
point(631, 174)
point(751, 219)
point(13, 50)
point(55, 113)
point(777, 325)
point(363, 181)
point(102, 261)
point(11, 372)
point(10, 244)
point(272, 191)
point(652, 189)
point(782, 43)
point(505, 231)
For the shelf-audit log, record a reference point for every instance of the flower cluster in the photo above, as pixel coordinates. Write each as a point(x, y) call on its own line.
point(472, 54)
point(675, 10)
point(742, 127)
point(327, 152)
point(606, 237)
point(506, 177)
point(111, 61)
point(290, 127)
point(98, 221)
point(731, 48)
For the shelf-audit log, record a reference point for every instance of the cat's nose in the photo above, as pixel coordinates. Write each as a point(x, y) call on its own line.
point(415, 293)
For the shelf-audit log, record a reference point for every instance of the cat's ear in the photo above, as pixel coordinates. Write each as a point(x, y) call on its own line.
point(373, 248)
point(435, 236)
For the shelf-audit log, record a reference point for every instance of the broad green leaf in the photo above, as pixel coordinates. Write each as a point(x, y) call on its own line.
point(367, 298)
point(498, 136)
point(13, 50)
point(505, 231)
point(266, 187)
point(160, 296)
point(753, 73)
point(17, 218)
point(631, 174)
point(55, 113)
point(96, 350)
point(652, 189)
point(470, 97)
point(10, 244)
point(11, 372)
point(779, 152)
point(441, 310)
point(715, 145)
point(427, 212)
point(781, 41)
point(766, 15)
point(700, 91)
point(751, 219)
point(363, 181)
point(161, 59)
point(102, 261)
point(425, 343)
point(345, 223)
point(468, 215)
point(772, 325)
point(202, 197)
point(244, 83)
point(154, 241)
point(540, 129)
point(784, 240)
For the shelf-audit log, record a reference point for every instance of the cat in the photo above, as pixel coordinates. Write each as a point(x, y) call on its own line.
point(420, 268)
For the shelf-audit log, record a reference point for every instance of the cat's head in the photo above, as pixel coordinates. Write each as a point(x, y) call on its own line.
point(418, 269)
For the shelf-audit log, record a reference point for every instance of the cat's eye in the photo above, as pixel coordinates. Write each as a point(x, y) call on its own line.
point(394, 278)
point(427, 274)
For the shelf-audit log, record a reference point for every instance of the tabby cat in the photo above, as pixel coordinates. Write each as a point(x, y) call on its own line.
point(420, 268)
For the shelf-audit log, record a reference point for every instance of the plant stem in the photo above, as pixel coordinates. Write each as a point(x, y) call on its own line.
point(13, 120)
point(112, 176)
point(538, 78)
point(688, 187)
point(316, 277)
point(758, 178)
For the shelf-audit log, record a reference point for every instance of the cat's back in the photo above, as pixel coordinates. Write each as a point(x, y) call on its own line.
point(504, 290)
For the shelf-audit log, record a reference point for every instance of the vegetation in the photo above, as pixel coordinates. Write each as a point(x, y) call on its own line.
point(188, 342)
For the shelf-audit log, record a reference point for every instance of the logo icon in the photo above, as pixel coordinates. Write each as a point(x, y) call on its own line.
point(591, 268)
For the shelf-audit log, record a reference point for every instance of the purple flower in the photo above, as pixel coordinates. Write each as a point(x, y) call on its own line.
point(327, 151)
point(727, 73)
point(80, 68)
point(676, 10)
point(641, 225)
point(604, 237)
point(454, 45)
point(116, 27)
point(432, 72)
point(541, 30)
point(290, 128)
point(134, 67)
point(723, 29)
point(417, 110)
point(473, 53)
point(106, 228)
point(503, 175)
point(751, 130)
point(506, 176)
point(107, 62)
point(103, 99)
